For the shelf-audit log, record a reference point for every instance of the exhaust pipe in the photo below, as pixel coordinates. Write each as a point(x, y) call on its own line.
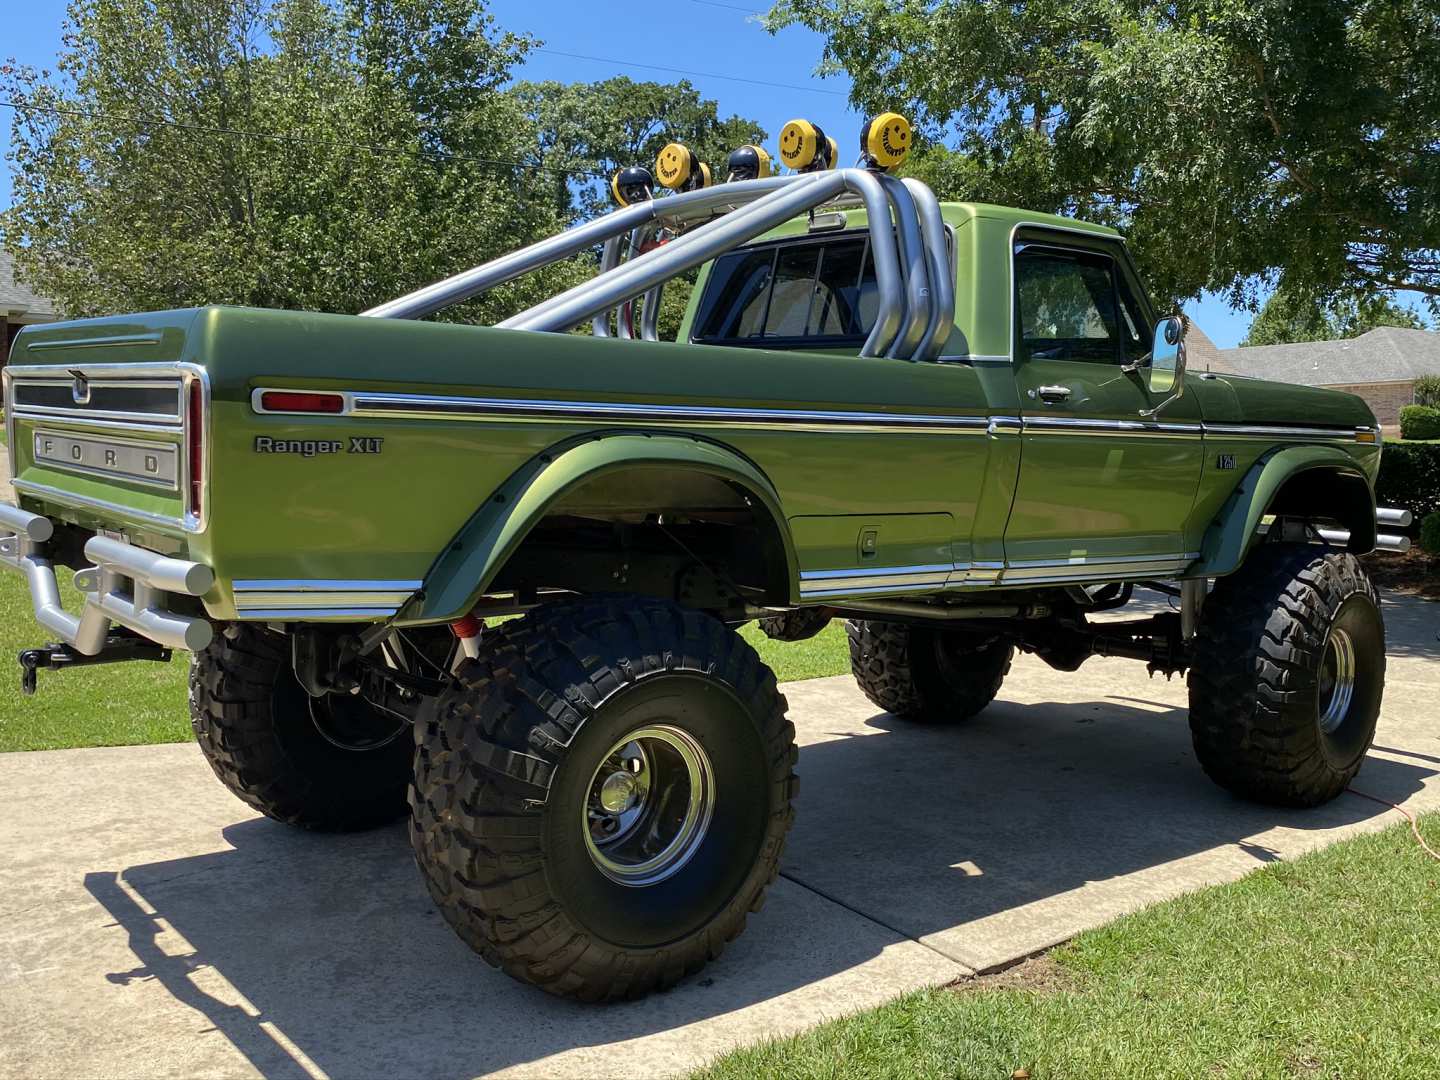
point(1388, 515)
point(1383, 541)
point(1384, 515)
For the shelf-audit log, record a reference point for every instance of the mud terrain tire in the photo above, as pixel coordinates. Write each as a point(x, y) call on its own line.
point(1268, 712)
point(254, 723)
point(512, 767)
point(924, 675)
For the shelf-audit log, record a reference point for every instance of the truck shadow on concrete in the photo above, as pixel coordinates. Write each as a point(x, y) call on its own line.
point(928, 831)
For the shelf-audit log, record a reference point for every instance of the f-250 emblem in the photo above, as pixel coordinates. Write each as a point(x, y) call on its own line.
point(1225, 461)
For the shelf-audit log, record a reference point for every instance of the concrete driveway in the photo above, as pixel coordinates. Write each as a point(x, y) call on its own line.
point(151, 926)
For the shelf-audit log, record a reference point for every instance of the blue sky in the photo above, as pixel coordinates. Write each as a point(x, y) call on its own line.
point(704, 39)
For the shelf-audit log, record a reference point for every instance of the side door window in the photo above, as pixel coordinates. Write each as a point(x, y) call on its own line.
point(1072, 305)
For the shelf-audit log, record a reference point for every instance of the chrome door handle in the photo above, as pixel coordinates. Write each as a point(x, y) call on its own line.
point(1052, 395)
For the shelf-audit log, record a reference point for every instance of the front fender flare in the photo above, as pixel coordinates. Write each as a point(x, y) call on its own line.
point(1230, 536)
point(477, 553)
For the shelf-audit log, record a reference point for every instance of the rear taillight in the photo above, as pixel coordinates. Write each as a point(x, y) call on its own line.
point(195, 426)
point(299, 401)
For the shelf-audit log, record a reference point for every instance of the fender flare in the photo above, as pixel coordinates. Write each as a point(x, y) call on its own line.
point(1230, 536)
point(477, 553)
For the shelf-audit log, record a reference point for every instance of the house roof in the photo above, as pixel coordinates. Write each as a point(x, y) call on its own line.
point(1201, 353)
point(17, 297)
point(1385, 354)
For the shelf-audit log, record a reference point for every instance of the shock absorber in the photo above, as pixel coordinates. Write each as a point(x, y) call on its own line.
point(467, 631)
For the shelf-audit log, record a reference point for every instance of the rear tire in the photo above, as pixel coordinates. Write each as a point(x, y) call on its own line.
point(604, 796)
point(924, 675)
point(262, 735)
point(1286, 675)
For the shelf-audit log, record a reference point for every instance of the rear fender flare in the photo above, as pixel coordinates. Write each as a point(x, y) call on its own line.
point(1230, 536)
point(476, 555)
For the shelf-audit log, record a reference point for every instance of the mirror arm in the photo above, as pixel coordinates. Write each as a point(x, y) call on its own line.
point(1150, 414)
point(1143, 362)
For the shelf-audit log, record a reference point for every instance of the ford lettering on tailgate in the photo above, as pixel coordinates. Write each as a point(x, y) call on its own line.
point(143, 462)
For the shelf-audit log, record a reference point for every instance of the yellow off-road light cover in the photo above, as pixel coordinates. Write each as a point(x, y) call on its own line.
point(632, 184)
point(748, 162)
point(675, 165)
point(702, 178)
point(886, 139)
point(800, 142)
point(832, 153)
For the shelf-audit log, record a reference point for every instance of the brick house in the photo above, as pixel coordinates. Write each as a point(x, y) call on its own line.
point(1380, 365)
point(19, 306)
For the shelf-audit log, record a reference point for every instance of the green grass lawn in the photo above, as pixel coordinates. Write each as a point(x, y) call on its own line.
point(123, 704)
point(824, 654)
point(108, 705)
point(1328, 966)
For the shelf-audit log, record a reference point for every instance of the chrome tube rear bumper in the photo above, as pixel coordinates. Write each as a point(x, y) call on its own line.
point(127, 585)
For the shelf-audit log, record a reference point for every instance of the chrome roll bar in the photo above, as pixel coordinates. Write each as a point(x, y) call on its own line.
point(650, 314)
point(916, 296)
point(609, 259)
point(916, 269)
point(677, 208)
point(942, 270)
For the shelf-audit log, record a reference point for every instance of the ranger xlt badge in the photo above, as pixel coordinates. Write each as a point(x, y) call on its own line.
point(358, 444)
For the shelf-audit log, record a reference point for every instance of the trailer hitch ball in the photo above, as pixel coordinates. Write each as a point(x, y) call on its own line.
point(30, 662)
point(56, 656)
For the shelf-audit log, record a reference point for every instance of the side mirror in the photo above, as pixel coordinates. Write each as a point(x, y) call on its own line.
point(1165, 372)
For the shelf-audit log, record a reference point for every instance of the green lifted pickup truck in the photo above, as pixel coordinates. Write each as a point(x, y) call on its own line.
point(961, 427)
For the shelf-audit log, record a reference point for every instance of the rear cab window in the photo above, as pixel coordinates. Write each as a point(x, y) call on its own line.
point(810, 293)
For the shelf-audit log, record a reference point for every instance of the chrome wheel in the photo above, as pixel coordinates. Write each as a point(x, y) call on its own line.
point(1337, 679)
point(649, 805)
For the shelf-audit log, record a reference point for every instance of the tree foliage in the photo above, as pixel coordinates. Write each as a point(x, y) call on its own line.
point(1427, 390)
point(1292, 315)
point(1229, 138)
point(282, 153)
point(586, 131)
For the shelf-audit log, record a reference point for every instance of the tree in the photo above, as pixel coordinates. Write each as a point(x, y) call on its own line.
point(1229, 139)
point(586, 131)
point(1291, 315)
point(280, 153)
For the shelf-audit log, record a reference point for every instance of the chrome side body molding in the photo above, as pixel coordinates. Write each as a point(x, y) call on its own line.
point(320, 600)
point(375, 405)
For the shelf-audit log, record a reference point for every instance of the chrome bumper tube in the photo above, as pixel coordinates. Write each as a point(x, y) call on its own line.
point(127, 585)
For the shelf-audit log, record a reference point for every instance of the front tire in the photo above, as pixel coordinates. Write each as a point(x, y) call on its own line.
point(604, 796)
point(926, 675)
point(1286, 675)
point(332, 764)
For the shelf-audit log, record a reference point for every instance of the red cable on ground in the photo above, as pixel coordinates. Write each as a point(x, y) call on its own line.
point(1414, 823)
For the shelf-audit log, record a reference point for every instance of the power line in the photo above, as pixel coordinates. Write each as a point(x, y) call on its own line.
point(276, 136)
point(731, 7)
point(694, 74)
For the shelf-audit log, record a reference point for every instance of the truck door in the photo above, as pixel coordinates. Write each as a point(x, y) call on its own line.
point(1103, 492)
